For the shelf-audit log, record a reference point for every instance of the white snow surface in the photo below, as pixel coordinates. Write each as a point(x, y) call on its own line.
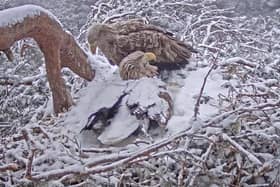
point(16, 15)
point(121, 127)
point(186, 97)
point(107, 86)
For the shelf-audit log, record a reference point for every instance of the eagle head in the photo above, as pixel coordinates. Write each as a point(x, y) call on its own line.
point(149, 56)
point(96, 33)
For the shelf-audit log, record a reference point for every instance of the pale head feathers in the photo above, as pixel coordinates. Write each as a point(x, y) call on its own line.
point(136, 65)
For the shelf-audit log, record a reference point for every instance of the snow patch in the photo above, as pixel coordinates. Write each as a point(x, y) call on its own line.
point(107, 87)
point(122, 126)
point(16, 15)
point(185, 99)
point(103, 91)
point(145, 94)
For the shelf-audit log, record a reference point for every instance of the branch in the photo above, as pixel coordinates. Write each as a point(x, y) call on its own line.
point(59, 47)
point(108, 19)
point(9, 54)
point(250, 156)
point(10, 80)
point(9, 167)
point(28, 172)
point(239, 60)
point(196, 108)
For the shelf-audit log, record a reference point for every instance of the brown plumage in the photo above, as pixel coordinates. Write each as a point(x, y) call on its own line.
point(136, 65)
point(118, 40)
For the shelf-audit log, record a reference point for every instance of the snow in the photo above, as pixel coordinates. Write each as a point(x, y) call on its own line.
point(121, 127)
point(143, 91)
point(103, 91)
point(107, 86)
point(186, 98)
point(251, 157)
point(16, 15)
point(145, 94)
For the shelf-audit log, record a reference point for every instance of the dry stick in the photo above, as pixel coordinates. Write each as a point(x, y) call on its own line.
point(9, 167)
point(28, 172)
point(24, 47)
point(100, 150)
point(181, 175)
point(5, 125)
point(9, 54)
point(6, 81)
point(31, 144)
point(116, 16)
point(250, 156)
point(29, 141)
point(41, 130)
point(196, 108)
point(99, 10)
point(15, 80)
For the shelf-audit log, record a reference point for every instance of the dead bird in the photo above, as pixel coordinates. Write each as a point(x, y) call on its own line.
point(103, 115)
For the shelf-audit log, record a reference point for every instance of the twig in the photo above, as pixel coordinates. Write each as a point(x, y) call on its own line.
point(196, 108)
point(99, 9)
point(28, 171)
point(108, 19)
point(99, 150)
point(7, 81)
point(181, 175)
point(15, 80)
point(5, 124)
point(9, 167)
point(9, 54)
point(24, 47)
point(239, 61)
point(250, 156)
point(41, 130)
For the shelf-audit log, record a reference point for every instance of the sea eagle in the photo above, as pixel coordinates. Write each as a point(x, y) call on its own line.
point(136, 65)
point(119, 40)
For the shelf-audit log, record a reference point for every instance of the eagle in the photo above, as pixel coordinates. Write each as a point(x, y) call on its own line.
point(120, 39)
point(136, 65)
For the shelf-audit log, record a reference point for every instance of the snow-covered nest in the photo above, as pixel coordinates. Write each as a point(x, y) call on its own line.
point(233, 140)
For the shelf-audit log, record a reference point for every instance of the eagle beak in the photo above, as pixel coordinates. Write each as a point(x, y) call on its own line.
point(93, 48)
point(150, 56)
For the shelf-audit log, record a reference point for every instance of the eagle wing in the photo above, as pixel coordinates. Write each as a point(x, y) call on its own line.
point(136, 25)
point(131, 26)
point(120, 39)
point(167, 49)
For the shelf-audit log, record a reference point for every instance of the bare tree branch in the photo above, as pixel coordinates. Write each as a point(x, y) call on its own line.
point(59, 47)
